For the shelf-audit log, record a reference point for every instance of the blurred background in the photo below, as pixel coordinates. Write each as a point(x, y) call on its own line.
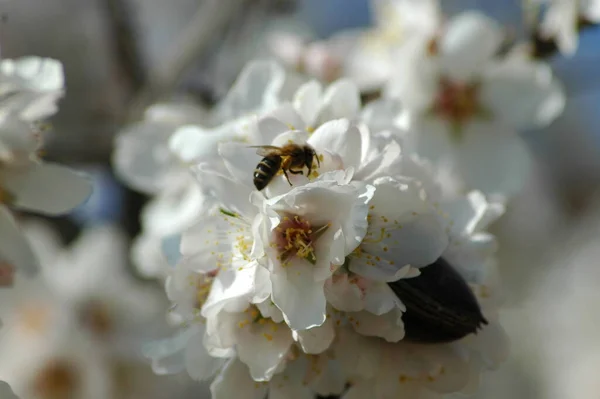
point(120, 56)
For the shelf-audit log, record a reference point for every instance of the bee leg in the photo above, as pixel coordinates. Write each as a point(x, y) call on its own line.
point(295, 172)
point(287, 177)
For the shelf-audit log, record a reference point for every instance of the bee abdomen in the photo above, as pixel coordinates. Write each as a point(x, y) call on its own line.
point(265, 170)
point(440, 306)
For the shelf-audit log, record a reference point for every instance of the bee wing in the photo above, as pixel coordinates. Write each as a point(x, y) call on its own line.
point(264, 150)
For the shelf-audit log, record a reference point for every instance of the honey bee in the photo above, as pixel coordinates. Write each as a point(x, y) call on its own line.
point(289, 158)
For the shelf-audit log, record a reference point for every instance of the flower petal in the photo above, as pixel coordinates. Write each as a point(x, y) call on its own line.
point(493, 160)
point(234, 382)
point(14, 247)
point(263, 348)
point(257, 87)
point(47, 188)
point(341, 100)
point(168, 355)
point(469, 44)
point(341, 138)
point(308, 101)
point(316, 340)
point(522, 94)
point(300, 298)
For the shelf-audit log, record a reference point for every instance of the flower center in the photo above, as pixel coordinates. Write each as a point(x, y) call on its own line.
point(457, 103)
point(295, 236)
point(203, 286)
point(7, 273)
point(252, 318)
point(96, 316)
point(57, 380)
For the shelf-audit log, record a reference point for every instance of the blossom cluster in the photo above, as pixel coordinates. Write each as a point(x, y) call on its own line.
point(29, 90)
point(332, 246)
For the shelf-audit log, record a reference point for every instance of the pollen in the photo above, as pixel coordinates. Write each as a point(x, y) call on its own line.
point(295, 236)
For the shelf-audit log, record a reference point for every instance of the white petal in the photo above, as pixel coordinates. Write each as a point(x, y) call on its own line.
point(234, 382)
point(344, 294)
point(388, 326)
point(522, 94)
point(308, 102)
point(300, 298)
point(341, 138)
point(168, 355)
point(316, 340)
point(17, 138)
point(240, 161)
point(263, 348)
point(493, 160)
point(239, 285)
point(14, 247)
point(257, 87)
point(234, 197)
point(199, 364)
point(142, 157)
point(469, 44)
point(287, 114)
point(47, 188)
point(175, 209)
point(341, 100)
point(194, 144)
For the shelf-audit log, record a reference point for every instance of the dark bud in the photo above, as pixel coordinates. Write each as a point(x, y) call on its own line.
point(440, 306)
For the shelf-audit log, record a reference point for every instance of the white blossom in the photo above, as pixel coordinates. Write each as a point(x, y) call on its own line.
point(464, 103)
point(561, 21)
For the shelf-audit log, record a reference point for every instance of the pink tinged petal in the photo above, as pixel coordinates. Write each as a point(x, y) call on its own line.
point(341, 138)
point(14, 248)
point(263, 348)
point(46, 188)
point(316, 340)
point(299, 297)
point(341, 100)
point(234, 381)
point(308, 102)
point(522, 94)
point(343, 294)
point(469, 44)
point(493, 160)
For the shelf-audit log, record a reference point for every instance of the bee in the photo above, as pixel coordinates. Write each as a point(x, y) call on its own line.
point(440, 306)
point(289, 158)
